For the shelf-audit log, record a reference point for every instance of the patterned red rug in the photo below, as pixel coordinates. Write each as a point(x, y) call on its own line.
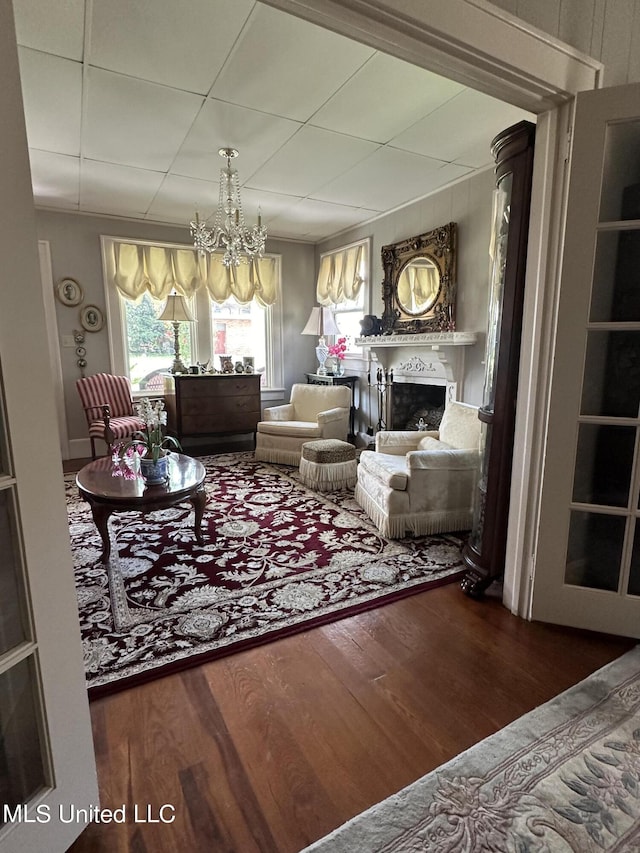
point(277, 558)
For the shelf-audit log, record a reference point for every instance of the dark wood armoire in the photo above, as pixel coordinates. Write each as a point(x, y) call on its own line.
point(484, 552)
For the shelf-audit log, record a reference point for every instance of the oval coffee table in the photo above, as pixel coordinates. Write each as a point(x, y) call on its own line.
point(107, 493)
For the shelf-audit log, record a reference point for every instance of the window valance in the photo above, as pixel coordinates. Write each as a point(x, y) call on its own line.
point(341, 275)
point(256, 280)
point(159, 270)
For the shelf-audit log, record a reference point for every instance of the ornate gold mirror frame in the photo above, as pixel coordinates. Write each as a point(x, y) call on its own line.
point(419, 286)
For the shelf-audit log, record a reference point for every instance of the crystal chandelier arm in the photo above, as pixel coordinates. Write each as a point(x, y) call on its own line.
point(241, 243)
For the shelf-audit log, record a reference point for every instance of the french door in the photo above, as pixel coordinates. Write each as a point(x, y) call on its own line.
point(47, 767)
point(587, 566)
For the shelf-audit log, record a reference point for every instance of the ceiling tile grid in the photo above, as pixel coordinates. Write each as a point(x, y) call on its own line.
point(127, 104)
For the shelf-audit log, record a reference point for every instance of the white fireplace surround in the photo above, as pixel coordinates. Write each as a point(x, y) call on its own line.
point(430, 358)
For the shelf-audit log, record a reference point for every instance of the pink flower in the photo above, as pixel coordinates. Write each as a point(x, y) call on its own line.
point(339, 348)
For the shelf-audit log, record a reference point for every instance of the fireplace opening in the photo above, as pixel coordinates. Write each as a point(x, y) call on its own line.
point(416, 406)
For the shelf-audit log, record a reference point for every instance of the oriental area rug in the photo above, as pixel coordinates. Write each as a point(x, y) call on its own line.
point(277, 558)
point(564, 778)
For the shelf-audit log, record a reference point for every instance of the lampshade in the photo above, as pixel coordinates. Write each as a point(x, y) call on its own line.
point(176, 310)
point(321, 322)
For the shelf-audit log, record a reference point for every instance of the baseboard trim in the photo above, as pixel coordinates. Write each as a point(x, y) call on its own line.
point(80, 448)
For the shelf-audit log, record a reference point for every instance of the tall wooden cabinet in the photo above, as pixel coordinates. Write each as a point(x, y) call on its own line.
point(484, 552)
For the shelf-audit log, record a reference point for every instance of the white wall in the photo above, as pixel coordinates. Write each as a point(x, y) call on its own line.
point(75, 253)
point(608, 30)
point(467, 203)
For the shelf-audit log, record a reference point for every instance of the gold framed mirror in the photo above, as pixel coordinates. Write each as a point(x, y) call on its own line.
point(419, 286)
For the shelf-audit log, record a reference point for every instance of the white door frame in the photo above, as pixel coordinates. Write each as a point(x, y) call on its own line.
point(481, 46)
point(55, 362)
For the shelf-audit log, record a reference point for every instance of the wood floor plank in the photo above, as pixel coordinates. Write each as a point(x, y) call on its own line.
point(248, 811)
point(269, 749)
point(259, 695)
point(355, 660)
point(405, 699)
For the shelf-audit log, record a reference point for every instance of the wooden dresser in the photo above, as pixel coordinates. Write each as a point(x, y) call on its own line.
point(208, 405)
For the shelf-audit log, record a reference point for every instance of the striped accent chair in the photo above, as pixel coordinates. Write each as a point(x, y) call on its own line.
point(108, 407)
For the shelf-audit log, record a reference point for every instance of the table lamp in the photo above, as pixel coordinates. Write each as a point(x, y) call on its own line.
point(321, 322)
point(177, 311)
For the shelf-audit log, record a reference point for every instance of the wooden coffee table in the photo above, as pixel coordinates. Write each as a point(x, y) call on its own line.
point(107, 493)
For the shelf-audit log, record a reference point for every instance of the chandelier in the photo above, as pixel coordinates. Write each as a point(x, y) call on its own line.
point(240, 242)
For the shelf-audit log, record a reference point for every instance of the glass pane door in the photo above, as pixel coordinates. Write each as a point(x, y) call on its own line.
point(23, 751)
point(587, 552)
point(604, 506)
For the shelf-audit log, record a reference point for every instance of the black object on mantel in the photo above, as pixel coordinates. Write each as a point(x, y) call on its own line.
point(370, 325)
point(484, 552)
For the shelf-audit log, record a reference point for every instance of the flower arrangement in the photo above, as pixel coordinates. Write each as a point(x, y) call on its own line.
point(151, 441)
point(339, 348)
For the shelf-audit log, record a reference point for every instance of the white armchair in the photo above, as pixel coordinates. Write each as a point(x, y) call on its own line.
point(315, 411)
point(422, 482)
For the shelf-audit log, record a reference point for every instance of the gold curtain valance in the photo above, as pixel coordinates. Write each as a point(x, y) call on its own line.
point(159, 270)
point(341, 275)
point(255, 280)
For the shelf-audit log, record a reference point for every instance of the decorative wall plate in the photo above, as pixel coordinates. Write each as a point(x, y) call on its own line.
point(91, 318)
point(69, 292)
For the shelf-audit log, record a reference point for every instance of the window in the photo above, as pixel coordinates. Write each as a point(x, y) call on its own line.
point(342, 277)
point(149, 342)
point(240, 330)
point(139, 276)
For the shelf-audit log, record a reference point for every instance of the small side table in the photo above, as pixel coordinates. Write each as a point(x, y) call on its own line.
point(351, 381)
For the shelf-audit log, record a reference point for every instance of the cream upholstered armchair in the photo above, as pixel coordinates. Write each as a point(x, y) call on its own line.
point(422, 482)
point(315, 411)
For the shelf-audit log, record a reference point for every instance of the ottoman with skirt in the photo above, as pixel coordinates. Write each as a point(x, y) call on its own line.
point(327, 464)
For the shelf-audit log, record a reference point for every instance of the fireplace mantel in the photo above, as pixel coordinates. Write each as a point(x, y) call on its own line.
point(427, 358)
point(434, 340)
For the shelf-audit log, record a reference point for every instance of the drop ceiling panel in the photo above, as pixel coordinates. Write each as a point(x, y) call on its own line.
point(55, 179)
point(256, 136)
point(461, 129)
point(309, 160)
point(383, 98)
point(286, 66)
point(56, 28)
point(384, 180)
point(179, 198)
point(52, 94)
point(183, 45)
point(135, 123)
point(272, 205)
point(108, 189)
point(312, 219)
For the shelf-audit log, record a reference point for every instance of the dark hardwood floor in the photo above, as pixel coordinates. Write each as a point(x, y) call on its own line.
point(269, 749)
